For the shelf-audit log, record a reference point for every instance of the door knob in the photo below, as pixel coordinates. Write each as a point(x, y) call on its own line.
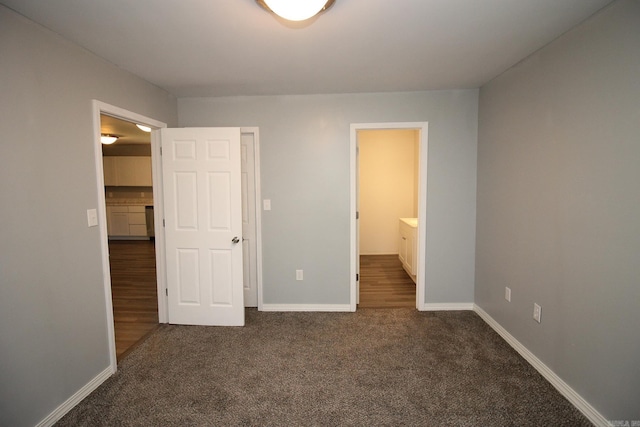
point(235, 240)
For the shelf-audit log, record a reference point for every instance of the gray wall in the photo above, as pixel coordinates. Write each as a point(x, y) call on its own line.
point(53, 328)
point(559, 206)
point(304, 143)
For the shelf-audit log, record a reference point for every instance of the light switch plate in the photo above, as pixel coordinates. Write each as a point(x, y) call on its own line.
point(92, 218)
point(537, 312)
point(266, 204)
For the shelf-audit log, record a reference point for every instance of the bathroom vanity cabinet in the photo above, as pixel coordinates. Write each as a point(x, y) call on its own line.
point(408, 245)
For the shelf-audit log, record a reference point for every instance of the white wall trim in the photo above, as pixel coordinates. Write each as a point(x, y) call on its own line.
point(570, 394)
point(423, 127)
point(158, 218)
point(307, 307)
point(379, 253)
point(71, 402)
point(454, 306)
point(258, 195)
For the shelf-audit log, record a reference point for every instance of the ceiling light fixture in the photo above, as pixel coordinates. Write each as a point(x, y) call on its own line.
point(296, 10)
point(108, 139)
point(143, 127)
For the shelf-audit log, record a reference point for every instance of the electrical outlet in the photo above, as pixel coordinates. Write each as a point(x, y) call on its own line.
point(507, 293)
point(537, 312)
point(266, 204)
point(299, 275)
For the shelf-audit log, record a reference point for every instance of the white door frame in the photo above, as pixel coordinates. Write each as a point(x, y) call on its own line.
point(257, 184)
point(423, 127)
point(120, 113)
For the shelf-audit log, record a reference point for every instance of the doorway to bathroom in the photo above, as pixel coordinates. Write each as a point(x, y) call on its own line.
point(389, 204)
point(388, 196)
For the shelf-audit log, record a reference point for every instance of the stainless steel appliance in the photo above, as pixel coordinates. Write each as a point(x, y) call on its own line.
point(148, 213)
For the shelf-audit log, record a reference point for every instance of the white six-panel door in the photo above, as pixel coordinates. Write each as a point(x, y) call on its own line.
point(203, 225)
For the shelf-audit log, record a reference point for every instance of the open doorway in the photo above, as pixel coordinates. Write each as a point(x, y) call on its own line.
point(251, 194)
point(407, 252)
point(129, 204)
point(105, 172)
point(388, 213)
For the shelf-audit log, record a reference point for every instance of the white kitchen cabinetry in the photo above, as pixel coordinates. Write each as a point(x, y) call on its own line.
point(131, 171)
point(109, 168)
point(117, 220)
point(126, 221)
point(137, 221)
point(407, 247)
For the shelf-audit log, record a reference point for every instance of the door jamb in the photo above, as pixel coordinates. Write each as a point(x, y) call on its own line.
point(98, 108)
point(423, 127)
point(257, 184)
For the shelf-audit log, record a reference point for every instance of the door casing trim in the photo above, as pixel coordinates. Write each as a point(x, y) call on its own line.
point(256, 173)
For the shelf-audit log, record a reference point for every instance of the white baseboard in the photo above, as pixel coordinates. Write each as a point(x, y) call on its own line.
point(71, 402)
point(447, 306)
point(306, 307)
point(570, 394)
point(379, 253)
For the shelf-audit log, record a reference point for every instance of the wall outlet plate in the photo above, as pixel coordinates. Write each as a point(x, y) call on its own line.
point(299, 275)
point(537, 312)
point(507, 293)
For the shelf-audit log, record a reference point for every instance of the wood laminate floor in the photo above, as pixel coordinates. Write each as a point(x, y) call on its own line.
point(133, 291)
point(384, 283)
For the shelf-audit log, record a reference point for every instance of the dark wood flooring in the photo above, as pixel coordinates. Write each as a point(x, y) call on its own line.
point(133, 291)
point(384, 283)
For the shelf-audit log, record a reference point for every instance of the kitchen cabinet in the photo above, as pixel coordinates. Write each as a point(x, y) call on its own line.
point(126, 221)
point(407, 245)
point(109, 169)
point(118, 221)
point(137, 221)
point(131, 171)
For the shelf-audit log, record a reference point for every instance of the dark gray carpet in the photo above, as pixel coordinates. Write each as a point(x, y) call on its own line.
point(369, 368)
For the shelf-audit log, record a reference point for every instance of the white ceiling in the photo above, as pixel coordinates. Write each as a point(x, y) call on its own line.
point(127, 132)
point(234, 47)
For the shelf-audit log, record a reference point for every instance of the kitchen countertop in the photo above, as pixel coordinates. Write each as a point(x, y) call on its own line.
point(128, 202)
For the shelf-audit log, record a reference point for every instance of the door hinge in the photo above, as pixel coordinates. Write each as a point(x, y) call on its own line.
point(161, 150)
point(163, 222)
point(166, 291)
point(357, 277)
point(358, 215)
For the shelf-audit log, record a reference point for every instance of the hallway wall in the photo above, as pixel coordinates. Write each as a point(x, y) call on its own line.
point(388, 186)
